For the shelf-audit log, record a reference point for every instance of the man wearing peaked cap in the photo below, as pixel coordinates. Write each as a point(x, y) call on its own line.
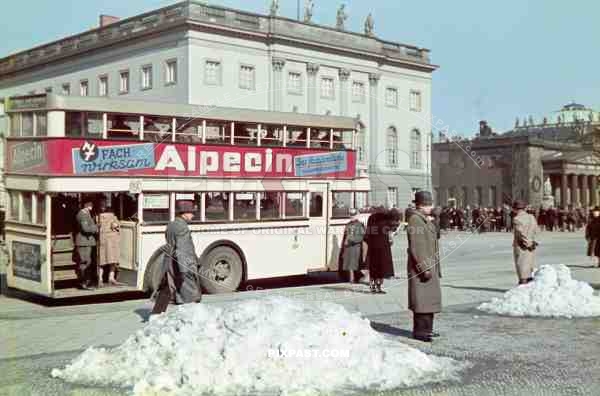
point(180, 282)
point(524, 244)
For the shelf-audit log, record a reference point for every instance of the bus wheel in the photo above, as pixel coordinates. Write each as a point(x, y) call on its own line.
point(222, 270)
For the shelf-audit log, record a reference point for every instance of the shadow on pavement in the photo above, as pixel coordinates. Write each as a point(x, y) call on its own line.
point(488, 289)
point(391, 330)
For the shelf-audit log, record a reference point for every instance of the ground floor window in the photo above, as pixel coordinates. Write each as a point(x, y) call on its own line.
point(342, 202)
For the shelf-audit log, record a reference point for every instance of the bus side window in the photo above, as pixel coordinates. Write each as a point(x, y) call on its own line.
point(316, 204)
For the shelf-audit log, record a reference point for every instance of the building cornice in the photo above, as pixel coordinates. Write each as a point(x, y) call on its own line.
point(221, 20)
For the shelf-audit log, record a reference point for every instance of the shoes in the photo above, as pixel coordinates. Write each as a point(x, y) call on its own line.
point(379, 291)
point(435, 334)
point(86, 287)
point(423, 338)
point(116, 283)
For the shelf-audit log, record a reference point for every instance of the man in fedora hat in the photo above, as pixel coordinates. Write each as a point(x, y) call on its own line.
point(85, 245)
point(180, 282)
point(524, 244)
point(424, 293)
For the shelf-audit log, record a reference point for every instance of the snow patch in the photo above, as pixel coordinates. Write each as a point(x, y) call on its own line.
point(197, 349)
point(553, 293)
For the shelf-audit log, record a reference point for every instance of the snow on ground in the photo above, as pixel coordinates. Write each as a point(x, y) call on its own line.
point(553, 293)
point(197, 348)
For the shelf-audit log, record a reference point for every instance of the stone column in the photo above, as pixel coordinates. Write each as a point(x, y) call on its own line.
point(574, 190)
point(278, 87)
point(594, 187)
point(344, 91)
point(585, 191)
point(555, 181)
point(375, 146)
point(312, 69)
point(563, 190)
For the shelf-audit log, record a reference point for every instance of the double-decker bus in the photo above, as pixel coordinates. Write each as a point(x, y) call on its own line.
point(271, 190)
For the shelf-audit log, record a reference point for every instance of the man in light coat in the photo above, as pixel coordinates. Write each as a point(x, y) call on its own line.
point(524, 244)
point(85, 245)
point(424, 292)
point(180, 280)
point(351, 252)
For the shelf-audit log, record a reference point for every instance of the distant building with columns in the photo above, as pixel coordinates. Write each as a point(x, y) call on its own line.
point(195, 53)
point(552, 162)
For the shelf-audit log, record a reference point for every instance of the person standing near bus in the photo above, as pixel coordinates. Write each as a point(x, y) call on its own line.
point(85, 244)
point(351, 252)
point(424, 292)
point(180, 282)
point(109, 245)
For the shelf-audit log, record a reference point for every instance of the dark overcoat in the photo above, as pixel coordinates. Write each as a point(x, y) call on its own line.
point(592, 235)
point(424, 296)
point(180, 264)
point(379, 250)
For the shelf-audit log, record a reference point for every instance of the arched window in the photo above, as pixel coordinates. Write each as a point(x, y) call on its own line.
point(392, 146)
point(415, 149)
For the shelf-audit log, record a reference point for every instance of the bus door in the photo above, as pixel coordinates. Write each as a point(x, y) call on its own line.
point(317, 233)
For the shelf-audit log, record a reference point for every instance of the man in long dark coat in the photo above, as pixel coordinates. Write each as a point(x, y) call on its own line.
point(180, 281)
point(424, 292)
point(85, 246)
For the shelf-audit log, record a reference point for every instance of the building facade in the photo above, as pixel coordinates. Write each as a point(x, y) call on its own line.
point(552, 163)
point(198, 54)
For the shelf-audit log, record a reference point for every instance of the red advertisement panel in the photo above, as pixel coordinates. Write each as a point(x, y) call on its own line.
point(78, 157)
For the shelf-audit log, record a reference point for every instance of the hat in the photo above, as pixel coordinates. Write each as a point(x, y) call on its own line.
point(519, 204)
point(596, 209)
point(353, 212)
point(184, 207)
point(423, 198)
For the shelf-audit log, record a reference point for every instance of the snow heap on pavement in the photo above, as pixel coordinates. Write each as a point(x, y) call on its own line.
point(197, 349)
point(553, 293)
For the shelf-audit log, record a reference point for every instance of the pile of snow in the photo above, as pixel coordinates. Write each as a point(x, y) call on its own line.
point(553, 293)
point(197, 349)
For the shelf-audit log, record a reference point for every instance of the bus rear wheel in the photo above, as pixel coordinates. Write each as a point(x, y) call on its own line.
point(222, 270)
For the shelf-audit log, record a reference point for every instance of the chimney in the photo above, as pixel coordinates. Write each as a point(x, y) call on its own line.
point(106, 20)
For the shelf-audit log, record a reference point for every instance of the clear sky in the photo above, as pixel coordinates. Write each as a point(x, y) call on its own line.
point(498, 59)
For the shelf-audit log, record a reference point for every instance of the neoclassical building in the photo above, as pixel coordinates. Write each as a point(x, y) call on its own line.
point(553, 162)
point(194, 53)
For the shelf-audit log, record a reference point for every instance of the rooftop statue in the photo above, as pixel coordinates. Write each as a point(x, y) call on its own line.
point(308, 10)
point(274, 7)
point(370, 25)
point(341, 17)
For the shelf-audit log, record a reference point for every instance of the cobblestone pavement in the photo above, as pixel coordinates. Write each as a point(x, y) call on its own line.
point(508, 356)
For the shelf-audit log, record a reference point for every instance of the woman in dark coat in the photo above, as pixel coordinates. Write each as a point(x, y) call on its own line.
point(592, 235)
point(378, 248)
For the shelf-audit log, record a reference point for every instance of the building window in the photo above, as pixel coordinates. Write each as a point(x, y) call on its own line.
point(212, 73)
point(465, 197)
point(83, 88)
point(66, 89)
point(392, 146)
point(171, 72)
point(103, 86)
point(147, 77)
point(478, 196)
point(358, 91)
point(391, 97)
point(392, 197)
point(246, 77)
point(361, 144)
point(124, 81)
point(327, 88)
point(493, 198)
point(295, 82)
point(415, 100)
point(415, 149)
point(48, 90)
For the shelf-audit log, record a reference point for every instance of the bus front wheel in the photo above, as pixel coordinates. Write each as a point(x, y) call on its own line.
point(222, 270)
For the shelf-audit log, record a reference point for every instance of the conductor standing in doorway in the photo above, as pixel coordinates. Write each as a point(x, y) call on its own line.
point(85, 245)
point(424, 293)
point(180, 282)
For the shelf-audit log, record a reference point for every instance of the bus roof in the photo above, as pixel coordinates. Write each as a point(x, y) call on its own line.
point(152, 108)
